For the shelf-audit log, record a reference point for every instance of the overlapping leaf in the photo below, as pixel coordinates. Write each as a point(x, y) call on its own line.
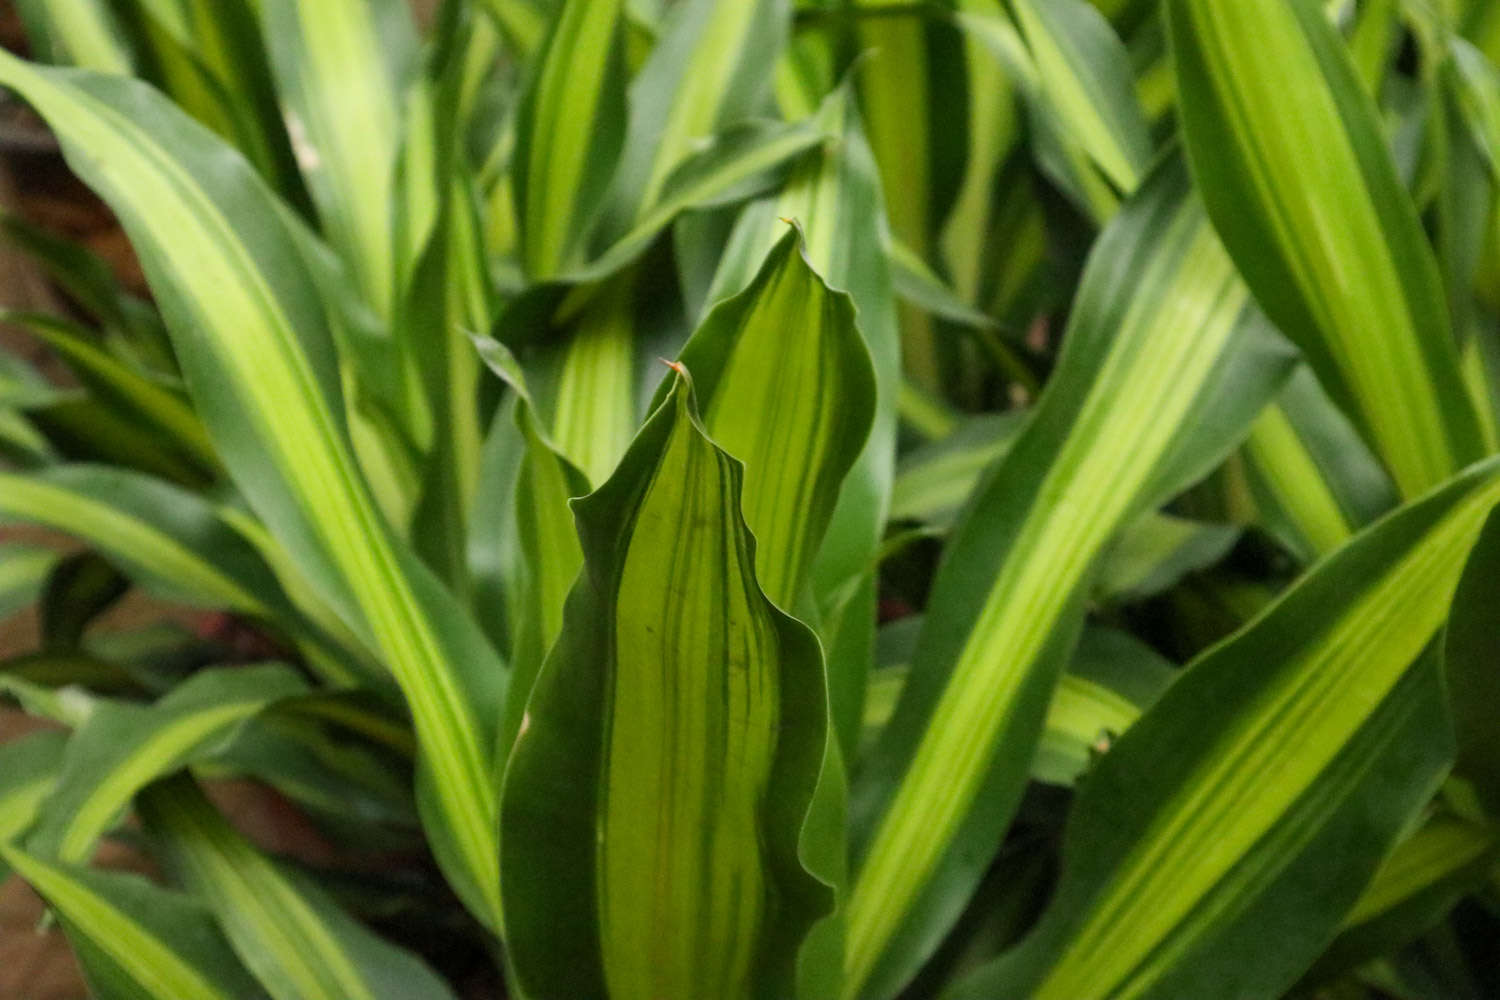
point(133, 939)
point(286, 930)
point(1378, 333)
point(249, 330)
point(1200, 876)
point(677, 700)
point(1163, 369)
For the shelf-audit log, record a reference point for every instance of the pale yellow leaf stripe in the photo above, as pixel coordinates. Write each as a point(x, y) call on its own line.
point(1298, 482)
point(143, 957)
point(595, 411)
point(65, 510)
point(1127, 422)
point(348, 128)
point(706, 78)
point(114, 790)
point(569, 92)
point(226, 866)
point(1329, 231)
point(694, 705)
point(273, 377)
point(1226, 806)
point(1441, 848)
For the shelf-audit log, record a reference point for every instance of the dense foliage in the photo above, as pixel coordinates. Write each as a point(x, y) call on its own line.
point(1057, 564)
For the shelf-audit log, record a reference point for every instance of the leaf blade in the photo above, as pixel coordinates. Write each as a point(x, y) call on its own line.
point(1379, 335)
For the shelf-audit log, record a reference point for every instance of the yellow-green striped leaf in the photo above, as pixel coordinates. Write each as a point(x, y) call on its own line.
point(1186, 872)
point(569, 133)
point(341, 69)
point(787, 388)
point(710, 66)
point(28, 770)
point(1111, 679)
point(1081, 64)
point(177, 546)
point(1377, 334)
point(248, 326)
point(665, 767)
point(1414, 887)
point(550, 557)
point(1089, 133)
point(78, 33)
point(1314, 480)
point(130, 394)
point(285, 929)
point(1163, 368)
point(135, 941)
point(834, 193)
point(121, 748)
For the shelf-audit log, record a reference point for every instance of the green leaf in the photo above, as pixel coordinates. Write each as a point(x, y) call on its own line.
point(134, 940)
point(934, 481)
point(835, 194)
point(1111, 679)
point(1414, 887)
point(1163, 368)
point(1158, 550)
point(710, 66)
point(585, 390)
point(551, 558)
point(740, 162)
point(678, 700)
point(77, 32)
point(919, 286)
point(121, 748)
point(175, 545)
point(287, 931)
point(1185, 871)
point(217, 49)
point(23, 570)
point(129, 394)
point(1313, 478)
point(84, 429)
point(1081, 64)
point(83, 586)
point(356, 794)
point(248, 327)
point(341, 68)
point(1470, 648)
point(994, 131)
point(523, 23)
point(28, 770)
point(1378, 335)
point(91, 283)
point(1072, 70)
point(569, 133)
point(787, 388)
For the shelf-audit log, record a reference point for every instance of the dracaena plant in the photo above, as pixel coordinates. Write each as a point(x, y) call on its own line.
point(1054, 559)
